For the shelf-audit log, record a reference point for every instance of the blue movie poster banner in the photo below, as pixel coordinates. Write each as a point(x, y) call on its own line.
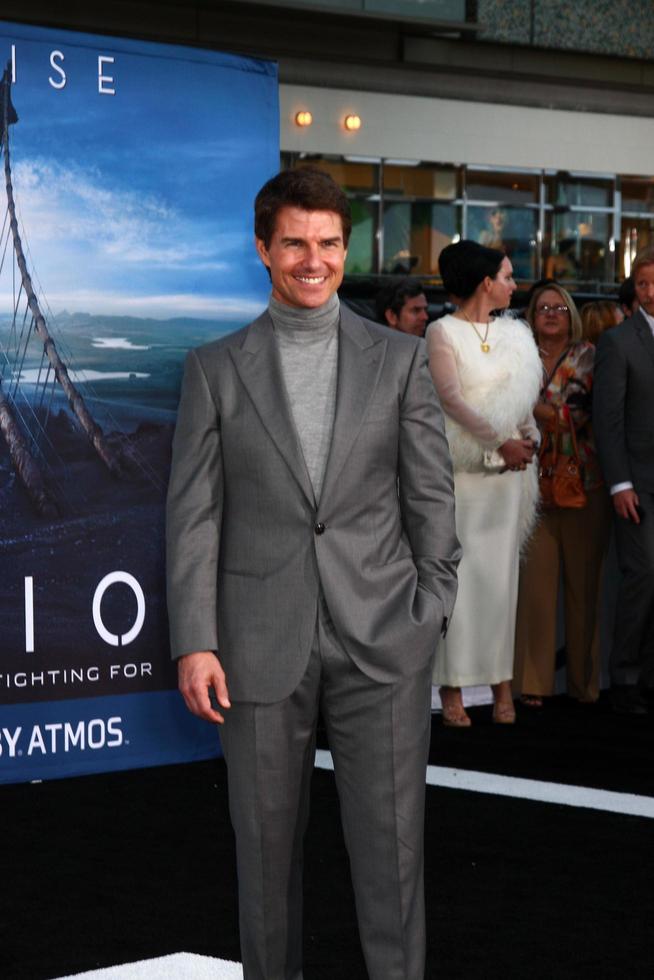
point(128, 175)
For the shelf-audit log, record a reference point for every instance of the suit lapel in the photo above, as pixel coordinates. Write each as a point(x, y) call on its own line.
point(259, 368)
point(644, 331)
point(360, 359)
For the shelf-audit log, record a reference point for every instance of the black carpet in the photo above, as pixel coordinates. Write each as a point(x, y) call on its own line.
point(110, 869)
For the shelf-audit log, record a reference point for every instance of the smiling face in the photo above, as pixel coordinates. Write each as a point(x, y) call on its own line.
point(306, 256)
point(551, 317)
point(502, 287)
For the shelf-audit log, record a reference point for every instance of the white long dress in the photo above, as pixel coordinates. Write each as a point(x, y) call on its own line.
point(487, 398)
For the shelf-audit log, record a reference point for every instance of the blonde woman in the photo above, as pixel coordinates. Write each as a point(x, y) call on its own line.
point(575, 539)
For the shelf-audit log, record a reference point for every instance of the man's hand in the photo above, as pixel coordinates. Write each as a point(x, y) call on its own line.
point(197, 672)
point(626, 505)
point(517, 453)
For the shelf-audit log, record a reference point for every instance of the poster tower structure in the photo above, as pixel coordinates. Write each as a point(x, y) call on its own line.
point(24, 462)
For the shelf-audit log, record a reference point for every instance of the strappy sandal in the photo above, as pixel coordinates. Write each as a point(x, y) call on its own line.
point(454, 714)
point(504, 713)
point(531, 701)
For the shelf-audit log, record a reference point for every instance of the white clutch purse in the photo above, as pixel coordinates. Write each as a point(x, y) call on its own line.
point(493, 460)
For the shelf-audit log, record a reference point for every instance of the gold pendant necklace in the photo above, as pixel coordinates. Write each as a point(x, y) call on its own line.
point(483, 341)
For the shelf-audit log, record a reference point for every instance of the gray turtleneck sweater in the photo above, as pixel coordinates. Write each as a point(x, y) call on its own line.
point(307, 340)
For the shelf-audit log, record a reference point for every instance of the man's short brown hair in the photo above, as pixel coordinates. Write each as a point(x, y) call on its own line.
point(307, 188)
point(646, 257)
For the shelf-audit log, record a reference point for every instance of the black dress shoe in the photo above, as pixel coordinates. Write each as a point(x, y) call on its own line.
point(628, 700)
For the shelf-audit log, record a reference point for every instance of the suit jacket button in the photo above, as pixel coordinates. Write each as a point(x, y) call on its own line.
point(319, 528)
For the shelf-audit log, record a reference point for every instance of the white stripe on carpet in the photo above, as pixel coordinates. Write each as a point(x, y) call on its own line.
point(180, 966)
point(527, 789)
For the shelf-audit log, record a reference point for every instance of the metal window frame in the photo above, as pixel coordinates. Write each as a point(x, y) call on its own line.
point(462, 203)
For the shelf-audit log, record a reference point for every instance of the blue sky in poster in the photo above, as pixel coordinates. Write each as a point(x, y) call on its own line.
point(139, 202)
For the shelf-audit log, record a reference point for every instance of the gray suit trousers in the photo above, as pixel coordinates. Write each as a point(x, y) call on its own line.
point(379, 738)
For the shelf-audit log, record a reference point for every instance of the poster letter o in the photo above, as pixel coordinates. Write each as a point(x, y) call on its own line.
point(112, 638)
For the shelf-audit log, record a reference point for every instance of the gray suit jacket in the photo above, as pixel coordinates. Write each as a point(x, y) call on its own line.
point(623, 403)
point(248, 547)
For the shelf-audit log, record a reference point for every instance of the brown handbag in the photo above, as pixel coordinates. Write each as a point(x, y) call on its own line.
point(561, 477)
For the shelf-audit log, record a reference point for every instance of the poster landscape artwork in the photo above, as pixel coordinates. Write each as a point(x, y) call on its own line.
point(127, 188)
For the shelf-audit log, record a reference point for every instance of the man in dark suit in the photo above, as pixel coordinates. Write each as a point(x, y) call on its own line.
point(623, 420)
point(312, 564)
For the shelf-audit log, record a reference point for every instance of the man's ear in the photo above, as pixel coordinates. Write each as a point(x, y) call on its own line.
point(392, 318)
point(260, 246)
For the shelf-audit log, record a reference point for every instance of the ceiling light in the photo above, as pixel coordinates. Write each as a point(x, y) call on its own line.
point(352, 123)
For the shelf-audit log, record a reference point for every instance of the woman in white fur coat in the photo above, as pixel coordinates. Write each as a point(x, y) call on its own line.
point(487, 372)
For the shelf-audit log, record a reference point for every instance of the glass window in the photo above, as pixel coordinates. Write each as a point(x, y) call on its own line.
point(437, 183)
point(589, 192)
point(351, 176)
point(510, 188)
point(433, 10)
point(445, 224)
point(454, 10)
point(415, 234)
point(422, 206)
point(513, 230)
point(636, 234)
point(361, 248)
point(638, 194)
point(579, 249)
point(399, 258)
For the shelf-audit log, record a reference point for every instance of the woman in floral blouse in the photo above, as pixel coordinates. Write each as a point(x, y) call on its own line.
point(575, 538)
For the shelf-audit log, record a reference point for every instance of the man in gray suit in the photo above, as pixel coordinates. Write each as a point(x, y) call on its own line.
point(623, 421)
point(312, 564)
